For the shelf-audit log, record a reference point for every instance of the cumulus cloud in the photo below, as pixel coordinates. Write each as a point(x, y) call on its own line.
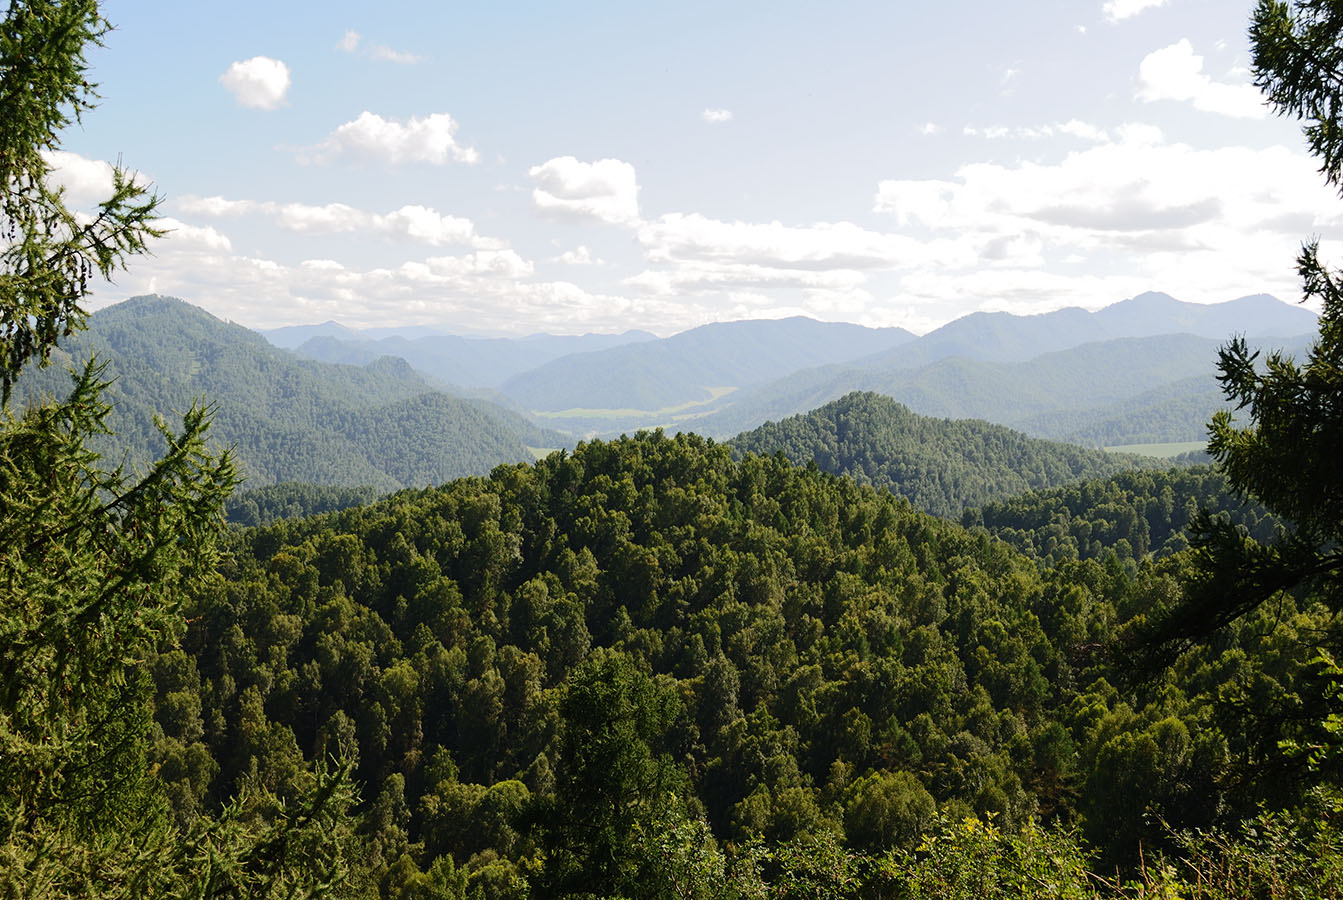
point(257, 83)
point(1145, 211)
point(691, 253)
point(602, 191)
point(427, 139)
point(1118, 10)
point(1176, 73)
point(476, 291)
point(200, 236)
point(717, 116)
point(414, 223)
point(350, 42)
point(85, 181)
point(579, 256)
point(215, 207)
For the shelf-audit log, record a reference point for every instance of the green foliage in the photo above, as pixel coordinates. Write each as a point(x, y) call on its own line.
point(49, 255)
point(285, 418)
point(1284, 448)
point(95, 563)
point(1297, 57)
point(1133, 515)
point(941, 466)
point(291, 500)
point(763, 651)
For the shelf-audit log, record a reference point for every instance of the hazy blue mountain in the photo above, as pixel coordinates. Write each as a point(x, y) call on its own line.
point(1008, 393)
point(289, 419)
point(292, 336)
point(1256, 316)
point(683, 369)
point(942, 466)
point(468, 361)
point(1177, 411)
point(1003, 337)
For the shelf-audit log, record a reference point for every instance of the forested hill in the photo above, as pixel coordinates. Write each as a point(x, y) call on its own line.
point(942, 466)
point(543, 671)
point(1133, 515)
point(290, 419)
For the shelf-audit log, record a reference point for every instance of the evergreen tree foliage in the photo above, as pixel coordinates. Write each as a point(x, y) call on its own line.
point(1283, 445)
point(942, 466)
point(95, 561)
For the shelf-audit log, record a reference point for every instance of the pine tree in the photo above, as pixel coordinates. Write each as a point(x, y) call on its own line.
point(94, 561)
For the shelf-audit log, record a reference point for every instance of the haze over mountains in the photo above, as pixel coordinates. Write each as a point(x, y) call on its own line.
point(1141, 371)
point(724, 378)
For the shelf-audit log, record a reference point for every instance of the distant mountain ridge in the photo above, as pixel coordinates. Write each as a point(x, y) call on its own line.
point(1004, 337)
point(289, 419)
point(471, 362)
point(683, 368)
point(726, 377)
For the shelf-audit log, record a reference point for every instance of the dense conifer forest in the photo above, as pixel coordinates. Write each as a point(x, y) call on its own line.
point(942, 466)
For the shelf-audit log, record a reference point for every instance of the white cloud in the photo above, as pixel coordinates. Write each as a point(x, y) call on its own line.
point(258, 83)
point(579, 256)
point(215, 207)
point(693, 254)
point(1136, 212)
point(717, 116)
point(86, 181)
point(202, 237)
point(428, 139)
point(828, 245)
point(1176, 73)
point(1084, 130)
point(929, 128)
point(1118, 10)
point(604, 191)
point(387, 54)
point(1073, 127)
point(415, 223)
point(350, 41)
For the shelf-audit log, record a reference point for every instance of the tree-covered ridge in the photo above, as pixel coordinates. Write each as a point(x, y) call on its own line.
point(288, 419)
point(942, 466)
point(814, 657)
point(1133, 514)
point(291, 500)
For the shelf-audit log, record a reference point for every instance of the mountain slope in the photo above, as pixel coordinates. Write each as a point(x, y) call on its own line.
point(290, 419)
point(1013, 394)
point(1003, 337)
point(942, 466)
point(681, 369)
point(467, 361)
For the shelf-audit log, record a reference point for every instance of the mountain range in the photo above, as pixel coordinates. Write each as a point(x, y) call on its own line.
point(379, 421)
point(382, 425)
point(1115, 376)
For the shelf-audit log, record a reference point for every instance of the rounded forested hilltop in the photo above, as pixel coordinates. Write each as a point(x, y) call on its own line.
point(942, 465)
point(540, 669)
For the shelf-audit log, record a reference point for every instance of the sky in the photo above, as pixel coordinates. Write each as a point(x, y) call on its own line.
point(512, 168)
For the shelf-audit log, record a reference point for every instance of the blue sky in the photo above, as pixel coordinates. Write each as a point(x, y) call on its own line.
point(513, 168)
